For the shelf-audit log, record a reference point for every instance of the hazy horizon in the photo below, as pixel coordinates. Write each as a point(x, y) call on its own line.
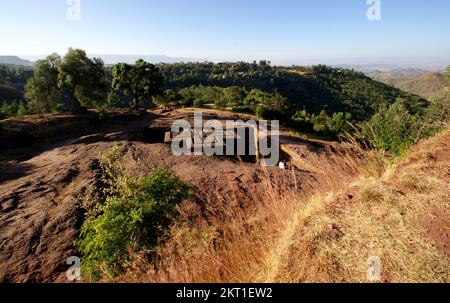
point(110, 59)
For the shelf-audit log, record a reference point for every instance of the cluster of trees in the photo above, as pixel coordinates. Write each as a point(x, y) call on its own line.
point(180, 75)
point(14, 75)
point(67, 82)
point(322, 123)
point(75, 82)
point(12, 82)
point(233, 98)
point(314, 88)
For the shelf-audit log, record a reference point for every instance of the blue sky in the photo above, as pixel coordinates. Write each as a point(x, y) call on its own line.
point(284, 31)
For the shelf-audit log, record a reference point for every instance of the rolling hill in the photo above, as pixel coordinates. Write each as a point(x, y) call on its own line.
point(14, 60)
point(432, 85)
point(311, 88)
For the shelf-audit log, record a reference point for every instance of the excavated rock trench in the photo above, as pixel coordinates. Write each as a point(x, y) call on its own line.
point(43, 199)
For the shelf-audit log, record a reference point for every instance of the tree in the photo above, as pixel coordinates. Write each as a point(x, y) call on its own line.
point(41, 90)
point(78, 72)
point(339, 123)
point(142, 80)
point(321, 122)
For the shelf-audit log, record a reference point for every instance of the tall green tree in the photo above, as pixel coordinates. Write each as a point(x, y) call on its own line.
point(77, 73)
point(41, 90)
point(142, 80)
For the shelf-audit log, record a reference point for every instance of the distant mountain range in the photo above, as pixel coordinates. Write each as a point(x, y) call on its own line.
point(14, 60)
point(387, 70)
point(113, 59)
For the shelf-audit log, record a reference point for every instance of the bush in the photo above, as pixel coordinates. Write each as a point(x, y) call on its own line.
point(393, 129)
point(116, 99)
point(437, 117)
point(9, 108)
point(133, 217)
point(22, 110)
point(113, 100)
point(323, 124)
point(134, 221)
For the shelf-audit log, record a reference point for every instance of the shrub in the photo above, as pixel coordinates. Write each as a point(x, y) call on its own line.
point(132, 222)
point(133, 218)
point(9, 108)
point(113, 174)
point(339, 123)
point(22, 110)
point(393, 129)
point(436, 117)
point(322, 123)
point(112, 99)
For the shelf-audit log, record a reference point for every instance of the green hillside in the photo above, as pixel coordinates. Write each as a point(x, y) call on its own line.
point(312, 88)
point(318, 99)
